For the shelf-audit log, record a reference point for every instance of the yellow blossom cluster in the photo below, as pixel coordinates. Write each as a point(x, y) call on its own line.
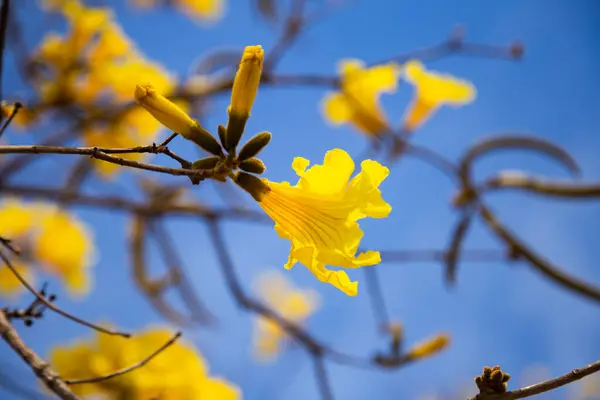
point(295, 305)
point(357, 101)
point(319, 214)
point(200, 10)
point(96, 64)
point(52, 240)
point(177, 373)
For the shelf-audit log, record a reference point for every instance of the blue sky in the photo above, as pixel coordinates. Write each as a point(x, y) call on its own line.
point(497, 313)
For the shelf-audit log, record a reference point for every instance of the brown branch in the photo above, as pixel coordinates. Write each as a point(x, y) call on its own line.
point(104, 154)
point(471, 197)
point(545, 386)
point(39, 367)
point(545, 187)
point(521, 250)
point(42, 299)
point(123, 371)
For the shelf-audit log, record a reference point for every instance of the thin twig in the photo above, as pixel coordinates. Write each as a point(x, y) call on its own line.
point(322, 378)
point(544, 386)
point(54, 308)
point(4, 10)
point(378, 305)
point(39, 367)
point(123, 371)
point(104, 154)
point(13, 113)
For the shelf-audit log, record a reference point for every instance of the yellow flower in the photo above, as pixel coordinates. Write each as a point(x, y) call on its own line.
point(22, 118)
point(432, 90)
point(245, 84)
point(55, 241)
point(319, 214)
point(9, 284)
point(358, 100)
point(16, 219)
point(177, 373)
point(201, 10)
point(293, 304)
point(64, 246)
point(123, 77)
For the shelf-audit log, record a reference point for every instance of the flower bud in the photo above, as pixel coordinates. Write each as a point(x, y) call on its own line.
point(206, 163)
point(429, 347)
point(204, 139)
point(222, 135)
point(245, 84)
point(164, 110)
point(254, 146)
point(255, 186)
point(253, 165)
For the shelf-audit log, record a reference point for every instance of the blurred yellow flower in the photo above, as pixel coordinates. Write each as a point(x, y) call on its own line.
point(200, 10)
point(319, 214)
point(295, 305)
point(22, 118)
point(358, 100)
point(432, 90)
point(65, 247)
point(177, 373)
point(52, 239)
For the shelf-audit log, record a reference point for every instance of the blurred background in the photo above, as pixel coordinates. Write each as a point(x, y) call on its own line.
point(497, 312)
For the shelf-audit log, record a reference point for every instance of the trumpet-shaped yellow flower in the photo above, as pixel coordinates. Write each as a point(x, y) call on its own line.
point(358, 100)
point(319, 214)
point(295, 305)
point(51, 239)
point(200, 10)
point(177, 373)
point(432, 90)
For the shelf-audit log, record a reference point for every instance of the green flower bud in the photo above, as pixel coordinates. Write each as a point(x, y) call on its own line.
point(255, 186)
point(254, 146)
point(253, 165)
point(206, 163)
point(204, 139)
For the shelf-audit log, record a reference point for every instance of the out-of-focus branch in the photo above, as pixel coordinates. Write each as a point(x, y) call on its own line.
point(136, 206)
point(42, 299)
point(469, 196)
point(123, 371)
point(544, 386)
point(544, 187)
point(4, 10)
point(39, 367)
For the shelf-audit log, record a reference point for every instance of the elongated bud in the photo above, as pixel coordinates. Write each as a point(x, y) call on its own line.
point(255, 186)
point(164, 110)
point(245, 84)
point(222, 135)
point(253, 165)
point(254, 146)
point(429, 347)
point(397, 334)
point(204, 139)
point(206, 163)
